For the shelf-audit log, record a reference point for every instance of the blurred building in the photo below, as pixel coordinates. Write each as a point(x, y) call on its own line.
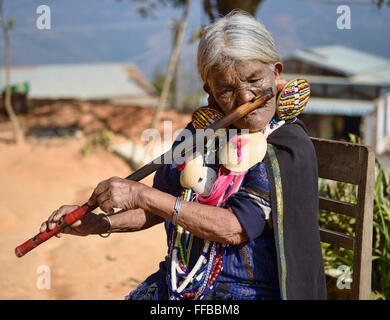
point(348, 93)
point(119, 83)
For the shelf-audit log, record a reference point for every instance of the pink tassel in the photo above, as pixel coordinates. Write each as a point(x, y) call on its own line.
point(225, 179)
point(240, 142)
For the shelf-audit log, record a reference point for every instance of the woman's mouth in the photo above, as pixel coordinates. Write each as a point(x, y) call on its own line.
point(252, 113)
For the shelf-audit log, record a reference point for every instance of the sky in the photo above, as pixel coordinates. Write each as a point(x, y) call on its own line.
point(113, 31)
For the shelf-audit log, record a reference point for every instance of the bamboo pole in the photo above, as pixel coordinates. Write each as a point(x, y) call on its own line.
point(18, 132)
point(172, 64)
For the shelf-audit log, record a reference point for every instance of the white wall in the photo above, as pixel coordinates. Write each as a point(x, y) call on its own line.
point(383, 125)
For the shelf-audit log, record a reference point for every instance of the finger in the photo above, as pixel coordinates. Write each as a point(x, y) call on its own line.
point(50, 222)
point(107, 206)
point(58, 214)
point(101, 187)
point(52, 215)
point(104, 196)
point(63, 211)
point(43, 227)
point(76, 224)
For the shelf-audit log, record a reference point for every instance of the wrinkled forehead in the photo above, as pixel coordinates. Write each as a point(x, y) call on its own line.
point(239, 71)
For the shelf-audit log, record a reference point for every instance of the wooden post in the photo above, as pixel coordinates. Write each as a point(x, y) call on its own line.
point(361, 284)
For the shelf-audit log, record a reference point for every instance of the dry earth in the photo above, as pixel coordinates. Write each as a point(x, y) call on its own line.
point(39, 177)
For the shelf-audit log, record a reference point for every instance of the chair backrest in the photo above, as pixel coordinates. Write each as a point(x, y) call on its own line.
point(354, 164)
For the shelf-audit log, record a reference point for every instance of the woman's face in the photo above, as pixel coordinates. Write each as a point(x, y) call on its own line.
point(240, 83)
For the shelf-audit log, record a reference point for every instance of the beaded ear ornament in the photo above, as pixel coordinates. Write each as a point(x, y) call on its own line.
point(191, 275)
point(292, 99)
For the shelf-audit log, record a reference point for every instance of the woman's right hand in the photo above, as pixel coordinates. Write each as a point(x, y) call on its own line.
point(89, 224)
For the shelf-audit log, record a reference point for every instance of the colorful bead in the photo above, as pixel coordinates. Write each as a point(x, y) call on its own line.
point(209, 262)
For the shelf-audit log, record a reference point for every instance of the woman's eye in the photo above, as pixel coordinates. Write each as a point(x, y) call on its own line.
point(225, 93)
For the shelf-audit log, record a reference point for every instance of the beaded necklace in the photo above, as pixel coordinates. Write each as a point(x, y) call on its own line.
point(195, 282)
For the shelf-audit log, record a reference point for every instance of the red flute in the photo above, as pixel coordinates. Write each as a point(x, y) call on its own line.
point(65, 221)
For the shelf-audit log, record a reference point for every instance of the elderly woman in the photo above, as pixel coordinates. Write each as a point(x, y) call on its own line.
point(263, 241)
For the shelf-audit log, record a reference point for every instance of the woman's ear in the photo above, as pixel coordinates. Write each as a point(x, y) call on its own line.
point(206, 88)
point(279, 80)
point(278, 68)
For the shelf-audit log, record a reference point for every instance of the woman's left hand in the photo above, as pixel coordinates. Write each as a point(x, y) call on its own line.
point(116, 193)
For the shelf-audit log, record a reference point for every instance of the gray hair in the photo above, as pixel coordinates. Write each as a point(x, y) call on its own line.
point(235, 37)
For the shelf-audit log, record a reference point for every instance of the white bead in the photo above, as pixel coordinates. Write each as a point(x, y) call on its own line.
point(207, 179)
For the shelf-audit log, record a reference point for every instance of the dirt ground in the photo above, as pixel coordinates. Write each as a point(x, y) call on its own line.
point(44, 174)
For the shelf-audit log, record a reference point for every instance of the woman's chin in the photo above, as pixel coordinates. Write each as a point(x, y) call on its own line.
point(251, 123)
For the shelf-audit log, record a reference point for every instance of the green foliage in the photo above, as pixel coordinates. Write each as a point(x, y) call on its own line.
point(11, 23)
point(381, 3)
point(103, 139)
point(109, 258)
point(158, 83)
point(381, 239)
point(334, 257)
point(148, 8)
point(196, 35)
point(191, 101)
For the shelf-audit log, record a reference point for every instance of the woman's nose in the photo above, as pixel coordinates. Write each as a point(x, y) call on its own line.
point(244, 95)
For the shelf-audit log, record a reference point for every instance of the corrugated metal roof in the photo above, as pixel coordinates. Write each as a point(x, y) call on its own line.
point(77, 81)
point(344, 107)
point(354, 63)
point(379, 75)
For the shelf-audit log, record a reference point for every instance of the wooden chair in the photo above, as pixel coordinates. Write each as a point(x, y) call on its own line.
point(355, 164)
